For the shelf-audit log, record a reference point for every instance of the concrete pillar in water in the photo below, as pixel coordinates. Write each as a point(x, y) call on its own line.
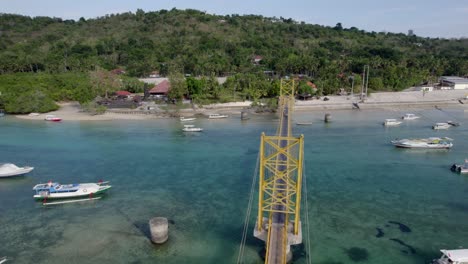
point(327, 118)
point(244, 115)
point(159, 228)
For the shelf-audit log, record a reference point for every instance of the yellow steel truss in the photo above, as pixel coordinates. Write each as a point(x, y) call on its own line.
point(287, 194)
point(281, 188)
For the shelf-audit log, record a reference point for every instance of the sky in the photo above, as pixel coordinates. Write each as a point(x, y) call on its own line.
point(427, 18)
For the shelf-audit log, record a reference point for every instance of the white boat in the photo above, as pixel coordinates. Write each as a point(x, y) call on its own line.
point(191, 128)
point(439, 126)
point(454, 256)
point(409, 117)
point(391, 122)
point(304, 123)
point(10, 170)
point(3, 260)
point(55, 190)
point(52, 118)
point(217, 116)
point(33, 114)
point(2, 112)
point(185, 119)
point(424, 143)
point(463, 168)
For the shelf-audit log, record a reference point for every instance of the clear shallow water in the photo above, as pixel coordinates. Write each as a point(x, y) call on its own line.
point(357, 182)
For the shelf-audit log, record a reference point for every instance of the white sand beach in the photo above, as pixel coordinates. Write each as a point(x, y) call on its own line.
point(387, 100)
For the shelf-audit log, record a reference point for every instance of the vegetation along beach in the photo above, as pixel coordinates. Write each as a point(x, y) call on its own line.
point(233, 132)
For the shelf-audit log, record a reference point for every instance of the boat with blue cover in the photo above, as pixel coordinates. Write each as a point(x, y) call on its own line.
point(55, 190)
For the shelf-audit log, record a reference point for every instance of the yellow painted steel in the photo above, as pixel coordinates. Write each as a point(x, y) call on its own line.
point(281, 178)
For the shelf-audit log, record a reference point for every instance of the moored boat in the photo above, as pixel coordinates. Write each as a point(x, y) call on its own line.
point(439, 126)
point(55, 190)
point(424, 143)
point(191, 128)
point(462, 168)
point(2, 112)
point(10, 170)
point(391, 122)
point(52, 118)
point(217, 116)
point(454, 256)
point(186, 119)
point(409, 117)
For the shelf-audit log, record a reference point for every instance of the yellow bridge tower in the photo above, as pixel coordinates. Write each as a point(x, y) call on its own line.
point(281, 158)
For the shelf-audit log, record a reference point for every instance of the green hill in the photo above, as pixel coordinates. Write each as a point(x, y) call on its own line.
point(204, 44)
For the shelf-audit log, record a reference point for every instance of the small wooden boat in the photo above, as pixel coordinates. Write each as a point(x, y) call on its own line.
point(409, 117)
point(186, 119)
point(391, 122)
point(191, 128)
point(52, 118)
point(439, 126)
point(217, 116)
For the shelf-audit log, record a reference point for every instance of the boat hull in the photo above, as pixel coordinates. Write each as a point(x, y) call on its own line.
point(422, 147)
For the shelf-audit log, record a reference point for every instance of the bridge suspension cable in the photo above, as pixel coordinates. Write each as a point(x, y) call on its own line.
point(240, 257)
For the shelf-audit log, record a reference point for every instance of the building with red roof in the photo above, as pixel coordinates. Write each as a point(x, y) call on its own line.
point(161, 89)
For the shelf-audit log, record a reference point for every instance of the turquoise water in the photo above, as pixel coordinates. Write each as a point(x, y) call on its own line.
point(357, 182)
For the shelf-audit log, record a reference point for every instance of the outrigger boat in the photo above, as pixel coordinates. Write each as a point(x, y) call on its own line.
point(55, 190)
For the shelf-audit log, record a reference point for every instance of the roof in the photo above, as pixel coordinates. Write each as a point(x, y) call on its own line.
point(456, 254)
point(161, 88)
point(123, 93)
point(454, 79)
point(311, 84)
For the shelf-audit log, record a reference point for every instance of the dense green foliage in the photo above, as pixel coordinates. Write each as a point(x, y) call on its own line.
point(36, 92)
point(46, 59)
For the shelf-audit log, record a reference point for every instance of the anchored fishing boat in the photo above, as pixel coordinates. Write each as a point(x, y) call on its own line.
point(438, 126)
point(191, 128)
point(409, 117)
point(424, 143)
point(52, 118)
point(391, 122)
point(216, 116)
point(186, 119)
point(55, 190)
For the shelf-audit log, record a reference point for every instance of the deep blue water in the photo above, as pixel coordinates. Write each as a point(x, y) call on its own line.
point(357, 182)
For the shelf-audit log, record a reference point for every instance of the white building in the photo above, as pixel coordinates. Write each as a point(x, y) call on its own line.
point(456, 83)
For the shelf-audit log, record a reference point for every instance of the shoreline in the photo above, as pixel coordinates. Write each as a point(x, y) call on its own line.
point(384, 100)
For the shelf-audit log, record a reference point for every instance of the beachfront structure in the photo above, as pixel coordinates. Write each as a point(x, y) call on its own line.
point(453, 82)
point(161, 89)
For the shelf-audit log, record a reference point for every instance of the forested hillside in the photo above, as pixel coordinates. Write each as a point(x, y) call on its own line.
point(203, 44)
